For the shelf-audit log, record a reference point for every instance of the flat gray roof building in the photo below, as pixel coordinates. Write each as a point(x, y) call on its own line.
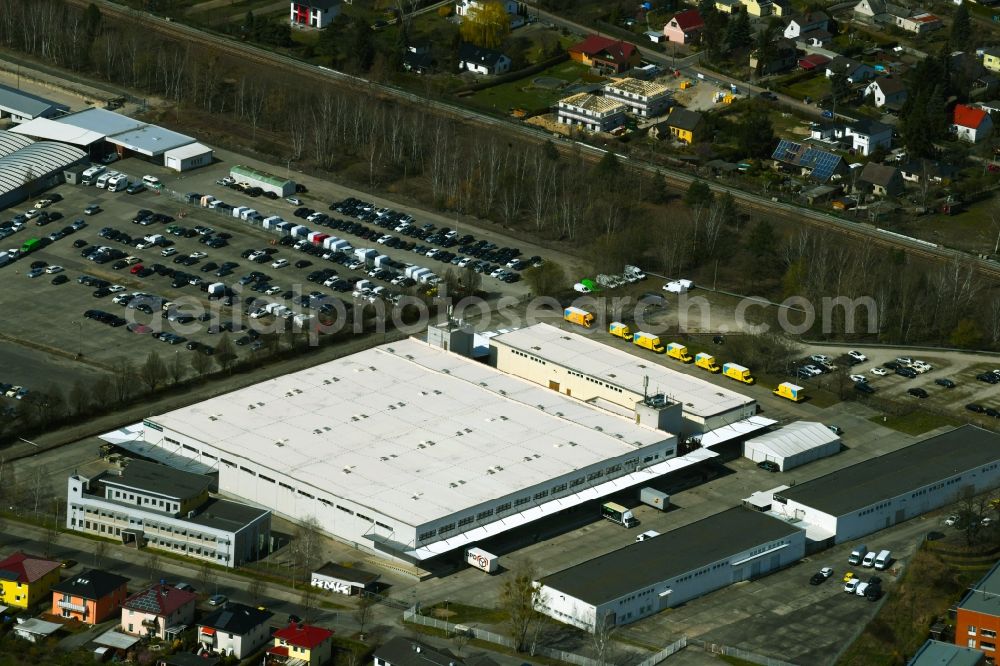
point(984, 596)
point(22, 106)
point(938, 653)
point(160, 479)
point(150, 140)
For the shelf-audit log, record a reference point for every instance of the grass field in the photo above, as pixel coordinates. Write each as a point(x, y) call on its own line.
point(522, 94)
point(457, 613)
point(816, 87)
point(916, 423)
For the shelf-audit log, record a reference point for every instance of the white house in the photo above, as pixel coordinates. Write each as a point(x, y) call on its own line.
point(855, 71)
point(970, 124)
point(863, 136)
point(314, 13)
point(464, 7)
point(596, 113)
point(482, 61)
point(887, 490)
point(235, 630)
point(806, 23)
point(886, 91)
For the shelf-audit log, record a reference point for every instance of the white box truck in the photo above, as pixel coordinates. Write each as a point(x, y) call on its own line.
point(381, 261)
point(857, 554)
point(654, 498)
point(300, 231)
point(340, 245)
point(616, 513)
point(239, 210)
point(363, 253)
point(217, 289)
point(869, 560)
point(883, 560)
point(480, 559)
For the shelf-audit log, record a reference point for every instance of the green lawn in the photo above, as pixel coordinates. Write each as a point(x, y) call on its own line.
point(816, 87)
point(915, 423)
point(522, 94)
point(457, 613)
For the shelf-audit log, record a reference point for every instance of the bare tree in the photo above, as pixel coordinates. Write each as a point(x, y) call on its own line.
point(123, 379)
point(153, 372)
point(519, 598)
point(201, 363)
point(364, 611)
point(100, 550)
point(206, 576)
point(308, 602)
point(177, 368)
point(305, 546)
point(152, 567)
point(255, 590)
point(602, 641)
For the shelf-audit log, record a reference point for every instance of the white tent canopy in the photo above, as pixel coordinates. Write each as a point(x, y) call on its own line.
point(796, 444)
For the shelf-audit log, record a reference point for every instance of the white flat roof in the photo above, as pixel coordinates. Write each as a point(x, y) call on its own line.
point(101, 120)
point(736, 429)
point(583, 354)
point(410, 430)
point(794, 438)
point(52, 130)
point(151, 140)
point(190, 150)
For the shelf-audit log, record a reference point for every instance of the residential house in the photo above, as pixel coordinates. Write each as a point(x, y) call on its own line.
point(605, 55)
point(476, 59)
point(592, 112)
point(781, 8)
point(25, 579)
point(234, 631)
point(880, 180)
point(820, 165)
point(160, 611)
point(188, 659)
point(417, 58)
point(876, 11)
point(344, 580)
point(312, 646)
point(970, 124)
point(977, 616)
point(991, 59)
point(861, 136)
point(407, 652)
point(684, 125)
point(314, 13)
point(645, 99)
point(162, 508)
point(937, 653)
point(887, 91)
point(465, 7)
point(935, 172)
point(916, 22)
point(757, 8)
point(856, 72)
point(728, 6)
point(90, 597)
point(801, 25)
point(685, 27)
point(784, 56)
point(816, 38)
point(814, 61)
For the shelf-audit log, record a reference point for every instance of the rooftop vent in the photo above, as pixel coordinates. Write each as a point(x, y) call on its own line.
point(566, 337)
point(251, 407)
point(317, 431)
point(537, 456)
point(502, 392)
point(437, 392)
point(213, 418)
point(327, 382)
point(348, 470)
point(598, 428)
point(468, 430)
point(542, 407)
point(537, 348)
point(611, 374)
point(260, 404)
point(559, 414)
point(391, 407)
point(390, 349)
point(383, 459)
point(527, 458)
point(490, 471)
point(401, 404)
point(445, 371)
point(372, 368)
point(279, 443)
point(504, 418)
point(572, 443)
point(483, 384)
point(453, 485)
point(459, 433)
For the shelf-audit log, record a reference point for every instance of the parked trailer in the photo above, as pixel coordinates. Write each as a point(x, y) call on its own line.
point(620, 330)
point(789, 391)
point(654, 498)
point(317, 237)
point(363, 253)
point(480, 559)
point(616, 513)
point(238, 211)
point(340, 245)
point(737, 372)
point(647, 341)
point(300, 231)
point(381, 261)
point(678, 351)
point(706, 361)
point(578, 316)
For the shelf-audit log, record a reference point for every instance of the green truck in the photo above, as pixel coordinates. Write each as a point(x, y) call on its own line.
point(30, 245)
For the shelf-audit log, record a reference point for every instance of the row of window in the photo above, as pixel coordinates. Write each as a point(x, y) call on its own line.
point(529, 356)
point(877, 507)
point(163, 505)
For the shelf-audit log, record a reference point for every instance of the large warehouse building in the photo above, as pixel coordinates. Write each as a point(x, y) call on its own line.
point(409, 450)
point(21, 106)
point(616, 380)
point(27, 167)
point(887, 490)
point(644, 578)
point(101, 132)
point(794, 445)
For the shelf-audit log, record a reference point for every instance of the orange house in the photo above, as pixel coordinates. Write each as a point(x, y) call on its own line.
point(977, 621)
point(90, 597)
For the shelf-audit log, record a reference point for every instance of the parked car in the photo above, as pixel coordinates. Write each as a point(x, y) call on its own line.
point(945, 382)
point(973, 407)
point(769, 466)
point(879, 372)
point(917, 392)
point(857, 356)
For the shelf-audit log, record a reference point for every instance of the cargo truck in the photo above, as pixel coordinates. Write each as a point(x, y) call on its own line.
point(654, 498)
point(678, 351)
point(737, 372)
point(620, 330)
point(30, 245)
point(578, 316)
point(616, 513)
point(647, 341)
point(706, 361)
point(479, 558)
point(857, 554)
point(789, 391)
point(883, 560)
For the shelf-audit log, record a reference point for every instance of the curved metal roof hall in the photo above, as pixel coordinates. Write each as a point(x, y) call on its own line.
point(34, 161)
point(11, 143)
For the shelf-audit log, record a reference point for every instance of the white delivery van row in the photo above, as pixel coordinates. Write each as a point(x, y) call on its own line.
point(860, 555)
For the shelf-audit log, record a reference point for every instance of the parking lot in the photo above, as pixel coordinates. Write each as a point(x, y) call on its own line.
point(106, 307)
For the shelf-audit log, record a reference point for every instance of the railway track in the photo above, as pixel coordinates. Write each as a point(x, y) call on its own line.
point(862, 231)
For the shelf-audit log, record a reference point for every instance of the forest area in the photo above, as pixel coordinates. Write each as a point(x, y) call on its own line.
point(604, 212)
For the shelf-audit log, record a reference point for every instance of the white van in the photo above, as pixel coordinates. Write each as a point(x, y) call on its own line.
point(103, 179)
point(118, 183)
point(869, 560)
point(648, 534)
point(883, 560)
point(151, 181)
point(857, 554)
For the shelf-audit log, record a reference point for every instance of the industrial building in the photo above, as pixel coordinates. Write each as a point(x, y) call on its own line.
point(102, 133)
point(936, 653)
point(892, 488)
point(162, 508)
point(283, 187)
point(977, 616)
point(27, 167)
point(412, 451)
point(21, 107)
point(646, 577)
point(616, 380)
point(645, 99)
point(793, 445)
point(592, 112)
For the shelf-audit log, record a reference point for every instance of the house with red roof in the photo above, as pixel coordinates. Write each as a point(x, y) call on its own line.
point(605, 54)
point(685, 27)
point(970, 124)
point(160, 610)
point(24, 579)
point(303, 642)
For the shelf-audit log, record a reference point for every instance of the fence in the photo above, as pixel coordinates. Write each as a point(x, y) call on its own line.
point(746, 655)
point(673, 648)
